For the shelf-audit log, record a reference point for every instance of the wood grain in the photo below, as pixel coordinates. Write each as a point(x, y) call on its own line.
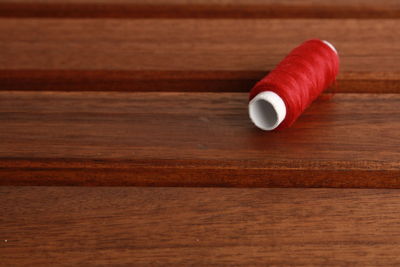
point(208, 227)
point(199, 9)
point(195, 139)
point(109, 54)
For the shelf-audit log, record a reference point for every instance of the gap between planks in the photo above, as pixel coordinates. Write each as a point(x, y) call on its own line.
point(199, 9)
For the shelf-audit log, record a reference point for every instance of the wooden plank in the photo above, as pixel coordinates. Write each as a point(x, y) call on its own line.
point(183, 226)
point(191, 139)
point(197, 55)
point(199, 9)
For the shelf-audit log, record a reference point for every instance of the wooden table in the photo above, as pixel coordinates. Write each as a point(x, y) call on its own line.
point(125, 137)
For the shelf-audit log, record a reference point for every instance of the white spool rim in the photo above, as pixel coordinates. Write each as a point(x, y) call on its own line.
point(267, 110)
point(330, 46)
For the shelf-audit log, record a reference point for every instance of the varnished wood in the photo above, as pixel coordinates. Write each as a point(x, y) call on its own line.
point(199, 9)
point(82, 138)
point(186, 55)
point(195, 139)
point(182, 226)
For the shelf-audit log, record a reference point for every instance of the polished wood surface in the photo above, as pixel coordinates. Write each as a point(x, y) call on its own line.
point(83, 226)
point(100, 96)
point(195, 139)
point(166, 55)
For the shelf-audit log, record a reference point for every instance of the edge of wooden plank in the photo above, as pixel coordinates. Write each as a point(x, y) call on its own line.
point(186, 173)
point(174, 81)
point(243, 11)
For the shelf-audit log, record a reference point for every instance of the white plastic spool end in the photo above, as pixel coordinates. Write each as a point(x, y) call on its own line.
point(330, 46)
point(267, 110)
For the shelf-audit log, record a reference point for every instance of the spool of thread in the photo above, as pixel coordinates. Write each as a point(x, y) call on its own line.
point(277, 100)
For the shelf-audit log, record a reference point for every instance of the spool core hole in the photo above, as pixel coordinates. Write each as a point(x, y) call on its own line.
point(264, 114)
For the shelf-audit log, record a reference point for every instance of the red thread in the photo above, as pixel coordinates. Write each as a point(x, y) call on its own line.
point(300, 77)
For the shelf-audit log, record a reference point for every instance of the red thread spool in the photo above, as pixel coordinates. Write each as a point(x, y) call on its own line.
point(280, 97)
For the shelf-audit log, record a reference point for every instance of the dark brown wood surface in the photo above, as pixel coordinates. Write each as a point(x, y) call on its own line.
point(366, 9)
point(166, 55)
point(195, 139)
point(41, 226)
point(159, 98)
